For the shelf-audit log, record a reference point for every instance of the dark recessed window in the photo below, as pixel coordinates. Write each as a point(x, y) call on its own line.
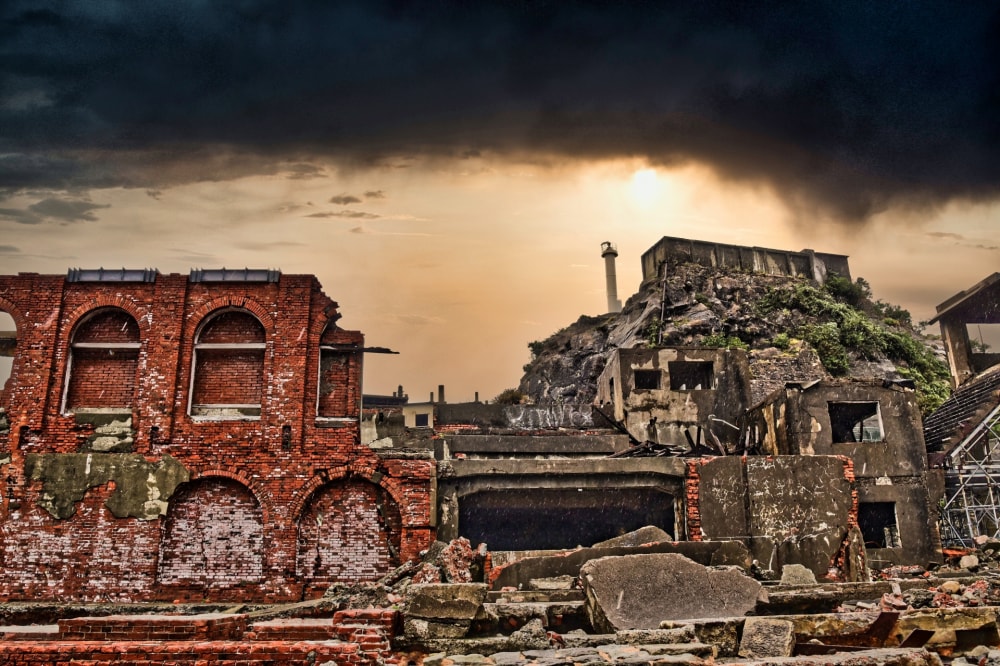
point(646, 379)
point(690, 375)
point(421, 420)
point(877, 521)
point(855, 422)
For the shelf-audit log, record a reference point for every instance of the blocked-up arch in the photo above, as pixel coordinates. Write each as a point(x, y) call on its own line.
point(213, 536)
point(103, 361)
point(228, 365)
point(349, 531)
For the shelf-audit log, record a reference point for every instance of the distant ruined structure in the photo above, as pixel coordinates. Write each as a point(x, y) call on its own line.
point(807, 263)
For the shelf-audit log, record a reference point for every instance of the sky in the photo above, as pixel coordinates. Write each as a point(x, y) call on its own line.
point(448, 170)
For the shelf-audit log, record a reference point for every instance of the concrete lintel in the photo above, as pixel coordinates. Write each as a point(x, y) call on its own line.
point(662, 466)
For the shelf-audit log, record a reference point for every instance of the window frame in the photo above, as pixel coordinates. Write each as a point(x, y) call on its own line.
point(64, 407)
point(197, 346)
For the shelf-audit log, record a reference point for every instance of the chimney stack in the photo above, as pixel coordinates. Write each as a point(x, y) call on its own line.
point(609, 251)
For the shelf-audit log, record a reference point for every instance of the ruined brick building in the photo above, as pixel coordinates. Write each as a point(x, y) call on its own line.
point(189, 437)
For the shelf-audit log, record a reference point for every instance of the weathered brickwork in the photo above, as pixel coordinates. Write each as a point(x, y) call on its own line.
point(349, 531)
point(258, 474)
point(213, 537)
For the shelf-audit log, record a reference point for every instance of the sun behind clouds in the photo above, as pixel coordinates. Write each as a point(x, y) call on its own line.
point(645, 188)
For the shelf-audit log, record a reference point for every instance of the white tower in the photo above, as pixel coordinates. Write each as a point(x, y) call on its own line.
point(609, 252)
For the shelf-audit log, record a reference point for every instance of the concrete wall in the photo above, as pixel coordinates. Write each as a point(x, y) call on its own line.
point(664, 415)
point(82, 518)
point(788, 509)
point(807, 263)
point(797, 421)
point(519, 417)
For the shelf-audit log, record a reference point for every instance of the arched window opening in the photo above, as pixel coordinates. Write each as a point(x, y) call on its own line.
point(8, 346)
point(228, 377)
point(102, 364)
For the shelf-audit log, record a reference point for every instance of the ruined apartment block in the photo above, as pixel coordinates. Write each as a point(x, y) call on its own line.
point(688, 397)
point(875, 425)
point(191, 437)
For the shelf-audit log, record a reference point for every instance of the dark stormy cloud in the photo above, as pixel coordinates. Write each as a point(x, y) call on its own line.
point(849, 106)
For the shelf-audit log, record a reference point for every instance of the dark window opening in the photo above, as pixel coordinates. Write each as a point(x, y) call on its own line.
point(690, 375)
point(421, 420)
point(228, 376)
point(855, 422)
point(877, 521)
point(646, 379)
point(540, 519)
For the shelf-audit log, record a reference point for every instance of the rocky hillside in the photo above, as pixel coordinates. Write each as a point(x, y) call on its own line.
point(793, 329)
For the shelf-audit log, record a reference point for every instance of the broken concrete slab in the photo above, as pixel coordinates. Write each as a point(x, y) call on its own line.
point(442, 611)
point(517, 569)
point(880, 657)
point(455, 601)
point(767, 637)
point(647, 534)
point(640, 591)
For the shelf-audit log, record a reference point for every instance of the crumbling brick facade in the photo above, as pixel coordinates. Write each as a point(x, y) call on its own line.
point(180, 438)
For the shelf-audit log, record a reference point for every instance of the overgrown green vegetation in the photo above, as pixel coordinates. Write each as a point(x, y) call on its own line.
point(723, 341)
point(843, 327)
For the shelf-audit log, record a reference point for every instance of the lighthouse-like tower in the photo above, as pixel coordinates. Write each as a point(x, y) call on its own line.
point(609, 252)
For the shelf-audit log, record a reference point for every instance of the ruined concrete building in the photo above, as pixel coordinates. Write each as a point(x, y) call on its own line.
point(963, 435)
point(190, 437)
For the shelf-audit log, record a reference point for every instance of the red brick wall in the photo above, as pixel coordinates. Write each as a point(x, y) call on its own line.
point(92, 557)
point(334, 379)
point(102, 378)
point(212, 537)
point(349, 531)
point(226, 376)
point(281, 459)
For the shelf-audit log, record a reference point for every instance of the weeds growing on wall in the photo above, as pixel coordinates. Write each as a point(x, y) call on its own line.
point(848, 322)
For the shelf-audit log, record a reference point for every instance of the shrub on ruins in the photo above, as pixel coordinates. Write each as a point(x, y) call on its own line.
point(511, 396)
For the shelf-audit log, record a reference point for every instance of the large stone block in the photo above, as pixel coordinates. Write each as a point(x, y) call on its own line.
point(640, 591)
point(767, 637)
point(458, 601)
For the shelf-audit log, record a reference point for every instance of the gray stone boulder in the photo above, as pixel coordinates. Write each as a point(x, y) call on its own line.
point(796, 574)
point(641, 591)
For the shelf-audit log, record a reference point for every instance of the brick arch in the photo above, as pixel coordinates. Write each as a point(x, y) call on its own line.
point(344, 472)
point(350, 530)
point(142, 315)
point(15, 312)
point(212, 537)
point(262, 497)
point(234, 301)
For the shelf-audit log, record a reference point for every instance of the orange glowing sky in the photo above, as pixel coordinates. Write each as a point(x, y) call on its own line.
point(458, 265)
